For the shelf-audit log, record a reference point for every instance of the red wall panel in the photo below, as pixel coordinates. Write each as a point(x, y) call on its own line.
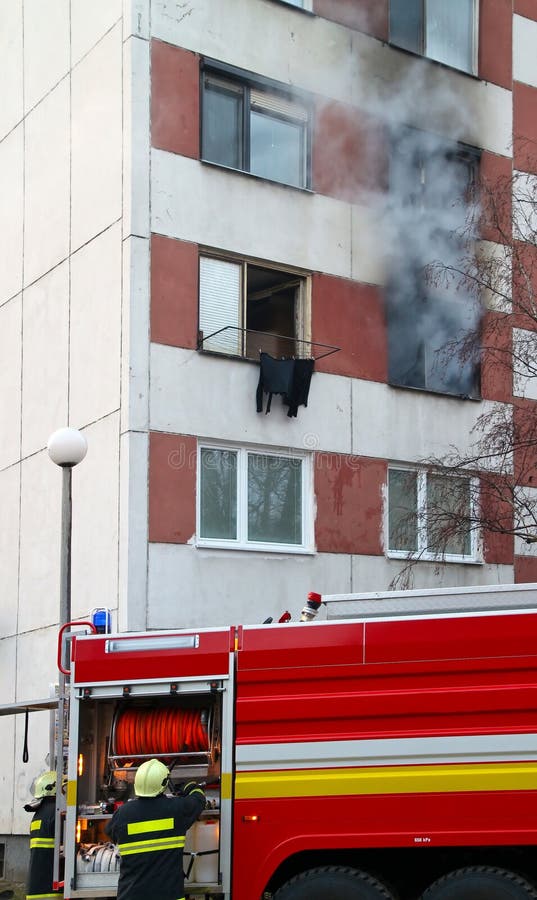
point(350, 152)
point(174, 292)
point(498, 546)
point(525, 569)
point(496, 365)
point(525, 441)
point(350, 315)
point(348, 491)
point(174, 99)
point(369, 16)
point(495, 41)
point(496, 185)
point(172, 488)
point(526, 8)
point(525, 127)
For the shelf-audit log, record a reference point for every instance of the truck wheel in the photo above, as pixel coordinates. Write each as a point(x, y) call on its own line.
point(481, 883)
point(333, 883)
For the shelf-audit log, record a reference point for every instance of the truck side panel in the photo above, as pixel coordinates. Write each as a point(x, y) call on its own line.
point(396, 738)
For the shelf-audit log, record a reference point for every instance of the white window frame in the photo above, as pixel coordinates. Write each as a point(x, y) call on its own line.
point(242, 543)
point(302, 333)
point(475, 42)
point(421, 553)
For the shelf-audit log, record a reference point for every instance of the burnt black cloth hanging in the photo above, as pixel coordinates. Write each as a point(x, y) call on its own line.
point(289, 377)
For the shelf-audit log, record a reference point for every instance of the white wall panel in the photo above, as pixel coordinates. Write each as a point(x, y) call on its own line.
point(311, 53)
point(133, 528)
point(95, 328)
point(11, 43)
point(135, 335)
point(95, 519)
point(11, 212)
point(33, 683)
point(136, 16)
point(194, 588)
point(7, 742)
point(10, 393)
point(46, 193)
point(46, 47)
point(231, 211)
point(524, 348)
point(225, 405)
point(97, 138)
point(39, 543)
point(136, 136)
point(409, 425)
point(9, 556)
point(524, 56)
point(526, 500)
point(90, 22)
point(376, 573)
point(45, 358)
point(399, 88)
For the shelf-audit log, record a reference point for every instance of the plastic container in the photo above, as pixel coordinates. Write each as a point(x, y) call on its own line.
point(205, 838)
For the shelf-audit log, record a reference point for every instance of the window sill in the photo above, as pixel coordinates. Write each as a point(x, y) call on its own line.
point(281, 549)
point(434, 62)
point(300, 9)
point(433, 558)
point(428, 390)
point(261, 178)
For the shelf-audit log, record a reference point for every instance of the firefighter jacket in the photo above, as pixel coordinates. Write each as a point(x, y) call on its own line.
point(150, 834)
point(42, 852)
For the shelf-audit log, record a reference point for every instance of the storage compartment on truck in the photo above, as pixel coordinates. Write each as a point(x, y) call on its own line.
point(116, 735)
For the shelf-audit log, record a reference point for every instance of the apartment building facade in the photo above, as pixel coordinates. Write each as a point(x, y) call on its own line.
point(187, 185)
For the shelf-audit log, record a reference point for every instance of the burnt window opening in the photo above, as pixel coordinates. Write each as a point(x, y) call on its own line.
point(252, 308)
point(433, 317)
point(440, 30)
point(255, 126)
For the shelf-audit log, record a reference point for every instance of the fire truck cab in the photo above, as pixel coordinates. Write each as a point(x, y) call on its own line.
point(388, 752)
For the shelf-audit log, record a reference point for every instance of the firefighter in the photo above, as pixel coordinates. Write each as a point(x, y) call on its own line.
point(150, 834)
point(42, 838)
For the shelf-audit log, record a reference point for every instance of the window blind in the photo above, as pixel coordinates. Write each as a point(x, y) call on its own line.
point(220, 304)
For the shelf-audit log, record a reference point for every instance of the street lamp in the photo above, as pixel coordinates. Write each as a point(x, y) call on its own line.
point(66, 447)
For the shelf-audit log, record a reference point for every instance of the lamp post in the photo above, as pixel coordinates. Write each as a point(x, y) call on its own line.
point(66, 447)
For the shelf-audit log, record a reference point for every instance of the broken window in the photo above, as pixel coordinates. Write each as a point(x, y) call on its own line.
point(430, 515)
point(433, 318)
point(440, 30)
point(253, 308)
point(256, 127)
point(253, 499)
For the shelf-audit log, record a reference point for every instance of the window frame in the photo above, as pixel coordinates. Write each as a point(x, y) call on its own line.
point(242, 543)
point(248, 81)
point(302, 307)
point(421, 554)
point(422, 52)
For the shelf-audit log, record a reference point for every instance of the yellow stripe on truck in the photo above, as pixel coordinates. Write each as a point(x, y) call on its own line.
point(386, 780)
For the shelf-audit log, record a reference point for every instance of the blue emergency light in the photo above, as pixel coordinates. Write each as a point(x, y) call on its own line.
point(101, 618)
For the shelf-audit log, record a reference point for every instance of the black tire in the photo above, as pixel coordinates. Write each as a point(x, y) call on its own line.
point(333, 883)
point(481, 883)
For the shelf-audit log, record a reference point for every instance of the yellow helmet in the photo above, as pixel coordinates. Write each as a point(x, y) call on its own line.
point(151, 779)
point(45, 785)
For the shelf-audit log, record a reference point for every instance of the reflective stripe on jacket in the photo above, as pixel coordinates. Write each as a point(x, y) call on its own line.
point(150, 833)
point(39, 886)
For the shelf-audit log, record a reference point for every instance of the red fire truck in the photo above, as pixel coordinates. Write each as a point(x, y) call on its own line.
point(388, 752)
